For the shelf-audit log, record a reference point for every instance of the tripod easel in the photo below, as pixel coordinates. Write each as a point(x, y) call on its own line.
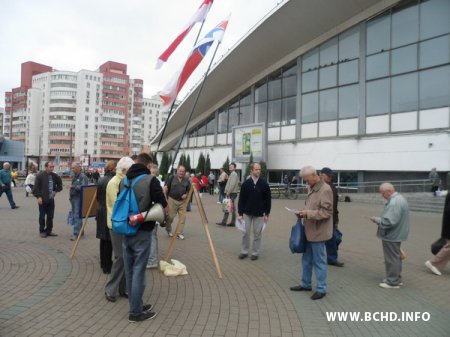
point(194, 191)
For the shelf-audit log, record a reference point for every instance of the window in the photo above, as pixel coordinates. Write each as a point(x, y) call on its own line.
point(377, 65)
point(310, 107)
point(404, 59)
point(223, 121)
point(404, 93)
point(274, 113)
point(378, 34)
point(261, 113)
point(434, 18)
point(405, 29)
point(378, 97)
point(434, 52)
point(328, 105)
point(349, 101)
point(349, 72)
point(349, 44)
point(434, 87)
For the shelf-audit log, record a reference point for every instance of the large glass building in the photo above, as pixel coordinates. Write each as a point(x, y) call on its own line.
point(359, 86)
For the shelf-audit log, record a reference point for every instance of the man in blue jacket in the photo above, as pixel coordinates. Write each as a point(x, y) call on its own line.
point(393, 229)
point(5, 184)
point(254, 208)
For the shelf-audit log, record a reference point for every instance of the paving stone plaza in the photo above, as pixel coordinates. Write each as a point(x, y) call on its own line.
point(45, 293)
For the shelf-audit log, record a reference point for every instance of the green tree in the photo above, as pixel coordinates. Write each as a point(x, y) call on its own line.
point(225, 165)
point(207, 165)
point(188, 163)
point(247, 169)
point(200, 164)
point(182, 160)
point(164, 167)
point(154, 157)
point(263, 169)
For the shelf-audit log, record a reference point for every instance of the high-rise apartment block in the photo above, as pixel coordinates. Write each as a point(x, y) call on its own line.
point(63, 115)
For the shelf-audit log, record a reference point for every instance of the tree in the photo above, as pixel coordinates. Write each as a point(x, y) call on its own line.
point(247, 169)
point(201, 164)
point(225, 165)
point(188, 163)
point(207, 165)
point(164, 167)
point(155, 158)
point(263, 169)
point(182, 160)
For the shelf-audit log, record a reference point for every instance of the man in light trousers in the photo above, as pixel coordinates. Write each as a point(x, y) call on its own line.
point(254, 209)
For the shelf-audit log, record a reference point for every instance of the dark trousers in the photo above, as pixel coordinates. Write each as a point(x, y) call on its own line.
point(47, 209)
point(9, 196)
point(211, 189)
point(106, 255)
point(332, 247)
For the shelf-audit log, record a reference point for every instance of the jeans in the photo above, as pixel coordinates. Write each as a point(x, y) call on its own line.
point(315, 257)
point(136, 250)
point(153, 258)
point(75, 202)
point(46, 209)
point(9, 196)
point(221, 192)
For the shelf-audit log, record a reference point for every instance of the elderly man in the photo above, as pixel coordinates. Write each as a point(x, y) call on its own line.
point(5, 184)
point(231, 190)
point(318, 220)
point(78, 179)
point(393, 228)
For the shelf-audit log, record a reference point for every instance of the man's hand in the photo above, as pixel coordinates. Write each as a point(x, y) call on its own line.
point(266, 219)
point(301, 214)
point(184, 196)
point(39, 200)
point(373, 219)
point(240, 218)
point(166, 210)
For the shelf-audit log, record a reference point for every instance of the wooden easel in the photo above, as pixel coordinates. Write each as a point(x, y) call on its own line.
point(194, 191)
point(84, 225)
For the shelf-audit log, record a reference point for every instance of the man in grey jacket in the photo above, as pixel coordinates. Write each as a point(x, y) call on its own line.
point(393, 228)
point(231, 191)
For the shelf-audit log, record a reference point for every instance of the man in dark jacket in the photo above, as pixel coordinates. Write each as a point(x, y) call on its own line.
point(332, 245)
point(46, 186)
point(136, 249)
point(78, 179)
point(253, 208)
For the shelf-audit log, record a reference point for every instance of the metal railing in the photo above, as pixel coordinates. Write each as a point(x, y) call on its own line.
point(292, 191)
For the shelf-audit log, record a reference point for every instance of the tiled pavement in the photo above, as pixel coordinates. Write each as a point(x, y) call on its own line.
point(45, 293)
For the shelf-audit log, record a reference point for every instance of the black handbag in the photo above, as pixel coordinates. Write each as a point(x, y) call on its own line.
point(437, 245)
point(6, 187)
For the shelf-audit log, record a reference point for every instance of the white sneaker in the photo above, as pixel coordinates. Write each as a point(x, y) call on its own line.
point(170, 234)
point(180, 236)
point(388, 286)
point(152, 265)
point(432, 268)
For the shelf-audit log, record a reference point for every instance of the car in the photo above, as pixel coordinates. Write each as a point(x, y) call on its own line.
point(65, 174)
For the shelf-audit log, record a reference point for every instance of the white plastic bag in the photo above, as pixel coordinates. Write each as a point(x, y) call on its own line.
point(28, 189)
point(174, 268)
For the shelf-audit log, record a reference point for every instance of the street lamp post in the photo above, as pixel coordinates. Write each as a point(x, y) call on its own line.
point(71, 143)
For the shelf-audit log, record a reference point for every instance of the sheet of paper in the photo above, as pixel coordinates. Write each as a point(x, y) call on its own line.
point(293, 210)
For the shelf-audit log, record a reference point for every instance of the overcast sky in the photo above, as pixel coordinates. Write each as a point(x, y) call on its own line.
point(83, 34)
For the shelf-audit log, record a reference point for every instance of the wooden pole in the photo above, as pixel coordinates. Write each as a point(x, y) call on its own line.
point(208, 236)
point(84, 225)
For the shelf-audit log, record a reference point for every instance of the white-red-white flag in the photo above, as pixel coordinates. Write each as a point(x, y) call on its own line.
point(199, 16)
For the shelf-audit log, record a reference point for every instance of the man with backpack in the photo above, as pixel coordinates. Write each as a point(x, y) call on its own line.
point(137, 248)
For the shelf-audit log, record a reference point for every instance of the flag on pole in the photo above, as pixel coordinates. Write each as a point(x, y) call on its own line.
point(171, 90)
point(199, 16)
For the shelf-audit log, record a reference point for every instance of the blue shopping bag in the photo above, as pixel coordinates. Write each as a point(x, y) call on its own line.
point(297, 241)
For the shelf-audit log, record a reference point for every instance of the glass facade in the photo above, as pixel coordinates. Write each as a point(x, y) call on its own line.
point(404, 54)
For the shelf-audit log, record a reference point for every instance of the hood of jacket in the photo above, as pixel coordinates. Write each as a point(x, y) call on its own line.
point(136, 170)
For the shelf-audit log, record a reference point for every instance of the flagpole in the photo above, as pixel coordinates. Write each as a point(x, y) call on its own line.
point(192, 110)
point(173, 103)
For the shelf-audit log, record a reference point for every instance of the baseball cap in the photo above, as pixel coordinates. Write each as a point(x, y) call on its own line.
point(327, 171)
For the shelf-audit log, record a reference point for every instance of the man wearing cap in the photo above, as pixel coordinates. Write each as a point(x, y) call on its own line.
point(328, 175)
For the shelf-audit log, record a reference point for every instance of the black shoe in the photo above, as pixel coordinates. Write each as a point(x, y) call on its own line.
point(147, 307)
point(15, 207)
point(52, 234)
point(110, 298)
point(317, 295)
point(231, 224)
point(254, 257)
point(142, 317)
point(221, 224)
point(242, 256)
point(125, 295)
point(300, 288)
point(336, 263)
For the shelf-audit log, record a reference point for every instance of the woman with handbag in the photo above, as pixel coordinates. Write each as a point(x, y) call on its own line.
point(443, 256)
